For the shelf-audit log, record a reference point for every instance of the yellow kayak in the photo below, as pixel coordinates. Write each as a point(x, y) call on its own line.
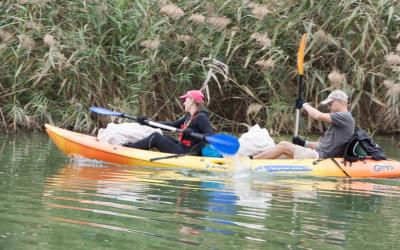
point(73, 143)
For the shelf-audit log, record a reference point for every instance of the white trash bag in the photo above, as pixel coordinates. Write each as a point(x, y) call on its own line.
point(255, 141)
point(119, 134)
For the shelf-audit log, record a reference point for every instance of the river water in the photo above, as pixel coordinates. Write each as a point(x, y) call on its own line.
point(49, 202)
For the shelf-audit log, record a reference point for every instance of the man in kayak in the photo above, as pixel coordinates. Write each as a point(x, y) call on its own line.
point(331, 144)
point(196, 120)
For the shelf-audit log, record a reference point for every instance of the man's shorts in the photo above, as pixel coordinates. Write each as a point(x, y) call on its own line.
point(305, 153)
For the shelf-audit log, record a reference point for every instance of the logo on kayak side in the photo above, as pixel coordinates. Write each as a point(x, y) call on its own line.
point(222, 167)
point(282, 168)
point(379, 168)
point(218, 166)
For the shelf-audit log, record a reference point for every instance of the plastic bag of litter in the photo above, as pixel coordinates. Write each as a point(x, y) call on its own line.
point(119, 134)
point(255, 141)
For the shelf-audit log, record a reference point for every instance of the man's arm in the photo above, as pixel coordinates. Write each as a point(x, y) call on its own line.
point(316, 114)
point(311, 144)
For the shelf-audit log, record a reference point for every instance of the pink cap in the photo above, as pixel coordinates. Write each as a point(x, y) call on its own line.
point(196, 95)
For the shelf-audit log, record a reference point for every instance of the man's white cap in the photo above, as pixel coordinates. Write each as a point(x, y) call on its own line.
point(335, 95)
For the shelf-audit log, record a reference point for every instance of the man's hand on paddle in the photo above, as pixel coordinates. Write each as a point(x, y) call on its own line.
point(298, 141)
point(299, 103)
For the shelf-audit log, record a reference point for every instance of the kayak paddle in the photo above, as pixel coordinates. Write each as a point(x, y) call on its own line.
point(300, 68)
point(225, 143)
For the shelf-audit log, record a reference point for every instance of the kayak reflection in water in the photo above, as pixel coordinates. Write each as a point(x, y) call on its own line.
point(195, 120)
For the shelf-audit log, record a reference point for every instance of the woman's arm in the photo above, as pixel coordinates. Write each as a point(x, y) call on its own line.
point(203, 123)
point(177, 123)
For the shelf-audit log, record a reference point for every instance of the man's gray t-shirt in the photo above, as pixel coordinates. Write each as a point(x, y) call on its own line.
point(333, 142)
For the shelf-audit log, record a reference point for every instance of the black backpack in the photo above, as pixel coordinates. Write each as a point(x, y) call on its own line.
point(361, 146)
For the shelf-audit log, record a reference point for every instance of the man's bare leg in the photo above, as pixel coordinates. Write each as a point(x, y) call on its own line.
point(283, 148)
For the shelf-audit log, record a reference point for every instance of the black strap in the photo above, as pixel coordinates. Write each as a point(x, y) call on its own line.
point(168, 157)
point(191, 152)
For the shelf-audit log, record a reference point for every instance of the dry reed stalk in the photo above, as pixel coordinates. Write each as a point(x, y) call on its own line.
point(162, 3)
point(102, 7)
point(210, 9)
point(336, 78)
point(150, 44)
point(388, 83)
point(395, 90)
point(184, 61)
point(39, 2)
point(53, 58)
point(214, 66)
point(321, 37)
point(5, 35)
point(172, 11)
point(4, 120)
point(261, 39)
point(219, 22)
point(266, 64)
point(254, 108)
point(26, 42)
point(184, 38)
point(197, 18)
point(49, 40)
point(33, 25)
point(392, 59)
point(260, 11)
point(392, 87)
point(235, 28)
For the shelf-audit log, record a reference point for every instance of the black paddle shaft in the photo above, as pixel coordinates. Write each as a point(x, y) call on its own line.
point(192, 134)
point(299, 86)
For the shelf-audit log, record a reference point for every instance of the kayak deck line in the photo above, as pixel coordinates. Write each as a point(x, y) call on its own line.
point(336, 161)
point(74, 143)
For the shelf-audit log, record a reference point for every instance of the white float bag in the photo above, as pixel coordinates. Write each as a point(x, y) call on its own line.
point(119, 134)
point(255, 141)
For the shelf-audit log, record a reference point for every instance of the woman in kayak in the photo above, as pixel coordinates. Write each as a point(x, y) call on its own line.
point(195, 120)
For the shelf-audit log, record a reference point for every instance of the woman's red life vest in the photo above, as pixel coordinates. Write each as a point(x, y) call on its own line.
point(185, 125)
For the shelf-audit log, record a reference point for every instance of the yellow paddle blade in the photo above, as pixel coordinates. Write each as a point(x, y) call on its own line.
point(300, 54)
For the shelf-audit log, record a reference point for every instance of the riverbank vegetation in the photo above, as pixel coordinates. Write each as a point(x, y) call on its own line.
point(58, 58)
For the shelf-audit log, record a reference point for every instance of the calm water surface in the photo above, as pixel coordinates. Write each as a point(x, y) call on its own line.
point(47, 202)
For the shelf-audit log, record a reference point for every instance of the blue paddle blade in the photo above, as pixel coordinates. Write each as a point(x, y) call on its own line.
point(227, 144)
point(104, 111)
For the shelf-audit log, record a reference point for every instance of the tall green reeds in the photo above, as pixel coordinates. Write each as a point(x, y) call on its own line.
point(58, 58)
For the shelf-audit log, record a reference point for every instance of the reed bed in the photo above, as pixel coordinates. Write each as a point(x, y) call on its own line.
point(58, 58)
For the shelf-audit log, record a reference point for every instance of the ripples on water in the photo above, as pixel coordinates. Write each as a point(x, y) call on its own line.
point(47, 203)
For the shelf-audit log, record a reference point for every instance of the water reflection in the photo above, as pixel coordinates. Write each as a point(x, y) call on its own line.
point(193, 208)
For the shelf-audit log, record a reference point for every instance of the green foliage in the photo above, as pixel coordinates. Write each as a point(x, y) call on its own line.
point(58, 58)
